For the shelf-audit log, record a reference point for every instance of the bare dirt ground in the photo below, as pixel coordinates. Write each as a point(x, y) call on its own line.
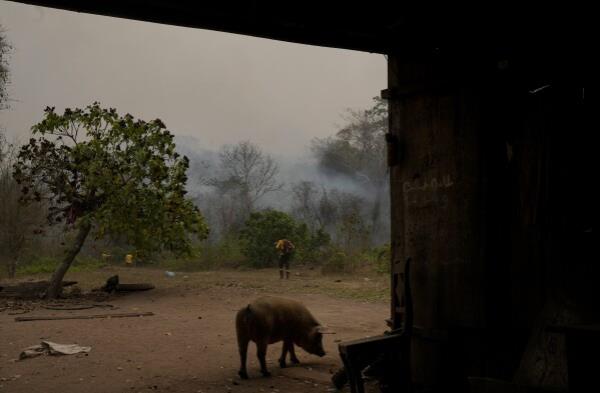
point(189, 345)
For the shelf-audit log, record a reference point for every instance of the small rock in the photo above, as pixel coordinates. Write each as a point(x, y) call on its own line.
point(199, 317)
point(119, 368)
point(338, 280)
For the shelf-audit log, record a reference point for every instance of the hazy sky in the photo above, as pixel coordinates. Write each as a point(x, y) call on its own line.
point(218, 87)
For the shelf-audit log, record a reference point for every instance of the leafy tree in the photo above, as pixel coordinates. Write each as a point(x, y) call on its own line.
point(114, 174)
point(357, 151)
point(312, 244)
point(262, 230)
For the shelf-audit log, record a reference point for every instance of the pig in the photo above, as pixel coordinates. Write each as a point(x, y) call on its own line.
point(268, 320)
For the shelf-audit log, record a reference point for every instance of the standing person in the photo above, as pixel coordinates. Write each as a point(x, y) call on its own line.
point(285, 248)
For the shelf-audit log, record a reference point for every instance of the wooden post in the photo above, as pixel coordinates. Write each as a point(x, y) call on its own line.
point(436, 201)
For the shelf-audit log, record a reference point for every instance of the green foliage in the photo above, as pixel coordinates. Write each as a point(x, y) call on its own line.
point(358, 149)
point(312, 245)
point(336, 262)
point(120, 174)
point(262, 230)
point(227, 253)
point(44, 265)
point(379, 258)
point(353, 232)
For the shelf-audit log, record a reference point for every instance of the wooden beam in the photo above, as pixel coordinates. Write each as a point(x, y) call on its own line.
point(113, 315)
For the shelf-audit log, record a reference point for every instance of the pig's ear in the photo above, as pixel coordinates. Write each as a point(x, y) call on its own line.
point(324, 330)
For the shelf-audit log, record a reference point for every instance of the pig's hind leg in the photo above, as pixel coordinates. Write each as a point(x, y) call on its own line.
point(293, 357)
point(261, 352)
point(287, 344)
point(243, 348)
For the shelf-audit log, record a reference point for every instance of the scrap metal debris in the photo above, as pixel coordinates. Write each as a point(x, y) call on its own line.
point(113, 285)
point(50, 348)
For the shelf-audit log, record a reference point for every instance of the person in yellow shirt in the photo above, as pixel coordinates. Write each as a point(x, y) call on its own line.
point(284, 248)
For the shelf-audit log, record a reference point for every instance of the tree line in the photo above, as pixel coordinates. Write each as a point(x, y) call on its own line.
point(90, 176)
point(242, 183)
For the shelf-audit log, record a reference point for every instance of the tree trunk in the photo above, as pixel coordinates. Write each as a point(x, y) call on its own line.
point(12, 267)
point(376, 212)
point(55, 286)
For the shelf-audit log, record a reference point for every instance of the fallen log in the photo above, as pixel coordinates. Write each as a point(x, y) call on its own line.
point(61, 306)
point(112, 315)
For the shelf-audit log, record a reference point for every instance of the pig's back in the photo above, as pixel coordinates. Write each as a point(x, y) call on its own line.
point(281, 318)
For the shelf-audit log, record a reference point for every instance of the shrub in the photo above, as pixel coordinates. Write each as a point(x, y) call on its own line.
point(335, 263)
point(380, 258)
point(262, 230)
point(312, 247)
point(225, 253)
